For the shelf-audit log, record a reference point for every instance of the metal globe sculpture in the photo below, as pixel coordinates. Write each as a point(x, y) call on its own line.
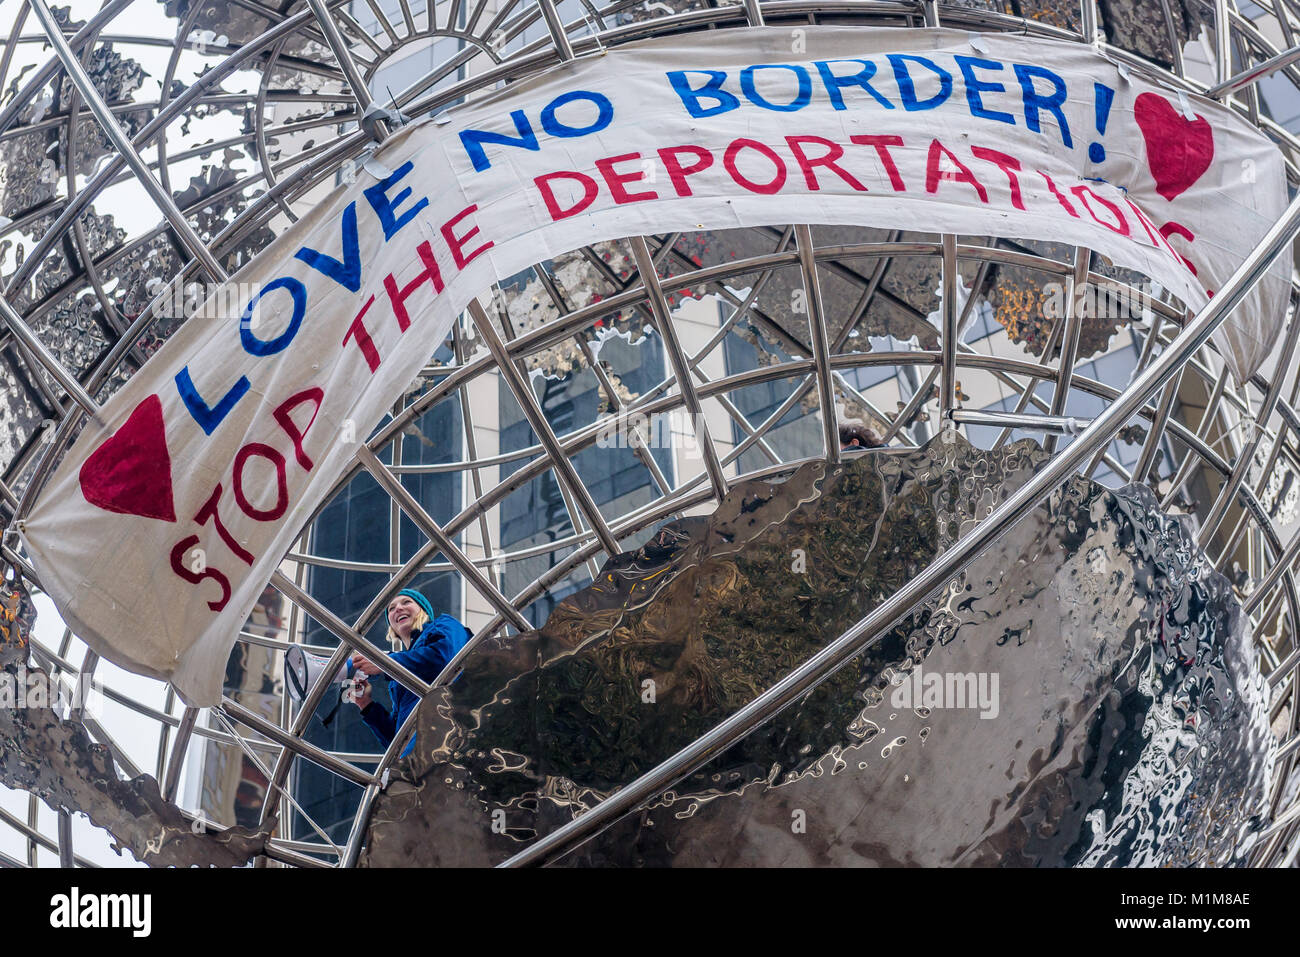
point(731, 512)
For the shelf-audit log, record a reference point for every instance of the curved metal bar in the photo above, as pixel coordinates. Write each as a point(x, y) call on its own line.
point(294, 744)
point(36, 839)
point(1073, 325)
point(343, 56)
point(177, 761)
point(45, 359)
point(44, 73)
point(151, 129)
point(1252, 75)
point(685, 380)
point(820, 346)
point(556, 29)
point(108, 123)
point(1246, 456)
point(407, 502)
point(564, 469)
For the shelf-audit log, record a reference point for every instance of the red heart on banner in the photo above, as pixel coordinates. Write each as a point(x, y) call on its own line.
point(1179, 150)
point(131, 473)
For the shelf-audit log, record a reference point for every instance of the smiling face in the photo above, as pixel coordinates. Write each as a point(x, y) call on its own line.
point(402, 612)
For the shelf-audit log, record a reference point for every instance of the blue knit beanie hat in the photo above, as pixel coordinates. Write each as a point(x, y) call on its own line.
point(420, 600)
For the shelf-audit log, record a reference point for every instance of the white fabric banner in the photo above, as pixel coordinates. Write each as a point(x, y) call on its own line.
point(159, 530)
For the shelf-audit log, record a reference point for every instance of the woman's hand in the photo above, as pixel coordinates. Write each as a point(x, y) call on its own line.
point(360, 695)
point(364, 665)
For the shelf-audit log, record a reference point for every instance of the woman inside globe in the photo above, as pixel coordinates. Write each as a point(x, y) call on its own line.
point(423, 643)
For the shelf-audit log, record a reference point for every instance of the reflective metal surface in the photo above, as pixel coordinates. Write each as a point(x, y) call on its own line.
point(1083, 693)
point(235, 118)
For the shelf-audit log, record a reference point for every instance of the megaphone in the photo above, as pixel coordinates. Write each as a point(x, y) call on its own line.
point(302, 670)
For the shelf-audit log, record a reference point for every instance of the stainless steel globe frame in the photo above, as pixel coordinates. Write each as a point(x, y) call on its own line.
point(1258, 413)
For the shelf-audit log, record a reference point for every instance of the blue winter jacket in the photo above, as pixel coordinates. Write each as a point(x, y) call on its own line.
point(437, 644)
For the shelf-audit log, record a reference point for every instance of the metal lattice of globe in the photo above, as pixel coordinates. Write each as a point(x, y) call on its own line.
point(615, 486)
